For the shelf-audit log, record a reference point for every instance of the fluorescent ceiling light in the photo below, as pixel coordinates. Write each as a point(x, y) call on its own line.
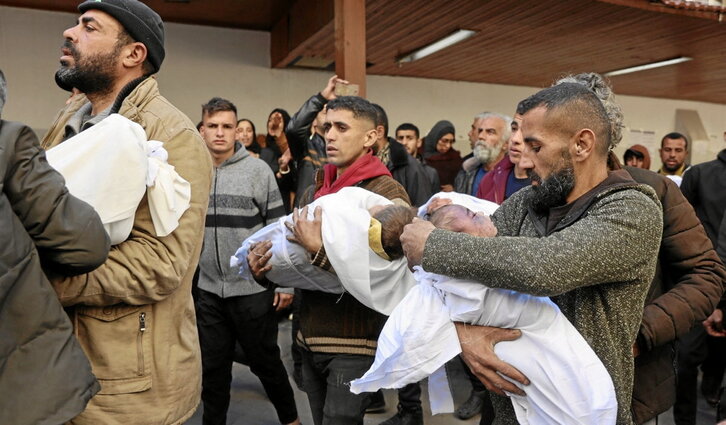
point(434, 47)
point(652, 65)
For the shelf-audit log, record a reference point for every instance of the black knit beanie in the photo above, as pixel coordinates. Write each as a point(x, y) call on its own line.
point(143, 24)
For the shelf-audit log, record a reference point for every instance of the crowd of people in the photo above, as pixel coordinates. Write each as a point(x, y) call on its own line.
point(144, 328)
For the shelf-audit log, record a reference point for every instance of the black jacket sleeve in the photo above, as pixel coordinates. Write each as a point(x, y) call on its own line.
point(298, 129)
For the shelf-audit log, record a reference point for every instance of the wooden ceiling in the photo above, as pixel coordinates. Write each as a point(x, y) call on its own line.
point(529, 43)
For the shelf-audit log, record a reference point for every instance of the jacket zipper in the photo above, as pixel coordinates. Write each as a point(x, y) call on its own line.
point(214, 208)
point(140, 342)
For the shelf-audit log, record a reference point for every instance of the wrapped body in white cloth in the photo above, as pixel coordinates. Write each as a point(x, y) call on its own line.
point(346, 221)
point(111, 166)
point(569, 383)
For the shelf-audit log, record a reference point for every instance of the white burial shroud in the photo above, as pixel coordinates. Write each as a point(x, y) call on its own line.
point(111, 166)
point(377, 283)
point(569, 383)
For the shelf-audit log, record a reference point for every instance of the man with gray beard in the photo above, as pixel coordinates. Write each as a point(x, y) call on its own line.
point(488, 150)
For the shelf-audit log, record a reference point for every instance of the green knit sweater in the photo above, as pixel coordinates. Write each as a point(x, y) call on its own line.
point(596, 264)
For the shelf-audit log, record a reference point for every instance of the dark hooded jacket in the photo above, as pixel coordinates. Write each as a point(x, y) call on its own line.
point(446, 164)
point(410, 173)
point(44, 376)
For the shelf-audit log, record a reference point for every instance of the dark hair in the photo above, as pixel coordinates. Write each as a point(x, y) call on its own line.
point(381, 118)
point(630, 153)
point(123, 39)
point(674, 136)
point(254, 130)
point(571, 107)
point(361, 108)
point(393, 218)
point(408, 126)
point(217, 104)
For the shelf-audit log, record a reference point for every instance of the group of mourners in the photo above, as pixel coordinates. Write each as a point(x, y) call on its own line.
point(143, 256)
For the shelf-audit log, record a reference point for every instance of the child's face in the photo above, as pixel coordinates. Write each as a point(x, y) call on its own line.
point(462, 220)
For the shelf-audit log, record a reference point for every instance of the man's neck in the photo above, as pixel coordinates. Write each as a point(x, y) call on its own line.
point(219, 159)
point(102, 101)
point(381, 144)
point(586, 180)
point(519, 172)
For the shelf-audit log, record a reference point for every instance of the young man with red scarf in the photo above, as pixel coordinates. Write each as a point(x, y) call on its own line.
point(338, 334)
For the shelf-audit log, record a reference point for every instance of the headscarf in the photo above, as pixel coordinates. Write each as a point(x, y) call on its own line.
point(643, 150)
point(441, 128)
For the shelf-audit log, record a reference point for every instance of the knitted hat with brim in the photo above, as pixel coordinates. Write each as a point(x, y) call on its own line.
point(143, 24)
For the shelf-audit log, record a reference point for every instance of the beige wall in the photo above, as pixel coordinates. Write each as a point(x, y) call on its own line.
point(202, 62)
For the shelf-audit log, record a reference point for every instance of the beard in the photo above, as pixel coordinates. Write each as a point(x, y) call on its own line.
point(486, 154)
point(94, 74)
point(553, 191)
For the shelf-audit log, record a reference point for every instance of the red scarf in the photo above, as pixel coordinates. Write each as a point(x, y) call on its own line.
point(364, 168)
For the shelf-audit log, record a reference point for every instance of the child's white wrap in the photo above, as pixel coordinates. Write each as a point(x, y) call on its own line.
point(111, 165)
point(377, 283)
point(569, 383)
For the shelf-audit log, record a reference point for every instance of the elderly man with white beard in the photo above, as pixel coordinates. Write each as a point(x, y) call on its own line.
point(489, 149)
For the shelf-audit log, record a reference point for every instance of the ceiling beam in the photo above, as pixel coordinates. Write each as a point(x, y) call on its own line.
point(290, 36)
point(350, 42)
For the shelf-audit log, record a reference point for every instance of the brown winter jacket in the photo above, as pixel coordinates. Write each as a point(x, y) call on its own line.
point(44, 376)
point(134, 316)
point(685, 290)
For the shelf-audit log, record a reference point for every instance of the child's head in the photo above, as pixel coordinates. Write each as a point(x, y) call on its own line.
point(457, 218)
point(393, 218)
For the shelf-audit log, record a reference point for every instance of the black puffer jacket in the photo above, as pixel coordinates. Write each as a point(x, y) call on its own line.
point(44, 376)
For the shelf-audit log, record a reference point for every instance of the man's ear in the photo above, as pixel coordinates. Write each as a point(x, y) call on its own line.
point(134, 55)
point(585, 144)
point(371, 137)
point(419, 142)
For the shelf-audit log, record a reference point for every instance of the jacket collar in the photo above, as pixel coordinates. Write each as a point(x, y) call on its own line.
point(616, 181)
point(239, 154)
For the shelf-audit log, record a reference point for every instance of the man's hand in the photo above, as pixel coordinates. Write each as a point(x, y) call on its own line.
point(413, 240)
point(447, 188)
point(714, 324)
point(477, 345)
point(282, 300)
point(257, 258)
point(329, 91)
point(307, 233)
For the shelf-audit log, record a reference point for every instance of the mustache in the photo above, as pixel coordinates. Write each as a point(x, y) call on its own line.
point(68, 45)
point(533, 176)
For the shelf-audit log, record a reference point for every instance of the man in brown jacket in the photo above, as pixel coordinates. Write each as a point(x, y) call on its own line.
point(134, 316)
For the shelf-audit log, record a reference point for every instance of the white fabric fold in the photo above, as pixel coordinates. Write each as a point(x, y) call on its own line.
point(569, 383)
point(471, 202)
point(110, 166)
point(377, 283)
